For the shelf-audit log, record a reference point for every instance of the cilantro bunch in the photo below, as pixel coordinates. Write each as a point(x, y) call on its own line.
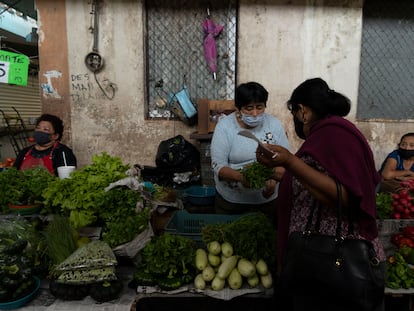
point(256, 174)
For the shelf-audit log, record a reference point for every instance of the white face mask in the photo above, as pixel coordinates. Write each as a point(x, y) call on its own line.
point(252, 121)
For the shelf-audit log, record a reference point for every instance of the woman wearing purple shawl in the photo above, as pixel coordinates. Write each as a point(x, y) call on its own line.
point(333, 148)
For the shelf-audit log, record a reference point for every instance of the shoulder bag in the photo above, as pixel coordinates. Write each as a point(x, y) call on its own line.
point(338, 266)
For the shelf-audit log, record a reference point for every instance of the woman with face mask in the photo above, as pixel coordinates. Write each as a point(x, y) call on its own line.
point(399, 164)
point(231, 152)
point(333, 150)
point(47, 151)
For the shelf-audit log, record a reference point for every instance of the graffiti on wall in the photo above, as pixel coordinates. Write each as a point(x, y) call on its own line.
point(82, 88)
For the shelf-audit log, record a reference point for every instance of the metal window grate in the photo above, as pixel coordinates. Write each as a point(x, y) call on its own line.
point(387, 60)
point(175, 54)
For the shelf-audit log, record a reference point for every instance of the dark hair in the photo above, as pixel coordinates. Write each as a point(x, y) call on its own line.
point(56, 122)
point(316, 94)
point(406, 135)
point(250, 92)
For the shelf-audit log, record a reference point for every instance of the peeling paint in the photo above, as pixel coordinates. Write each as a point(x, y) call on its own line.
point(48, 89)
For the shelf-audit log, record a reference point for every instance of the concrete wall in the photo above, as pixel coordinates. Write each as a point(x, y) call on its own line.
point(281, 43)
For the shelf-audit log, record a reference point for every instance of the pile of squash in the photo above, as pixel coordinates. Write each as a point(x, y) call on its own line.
point(218, 266)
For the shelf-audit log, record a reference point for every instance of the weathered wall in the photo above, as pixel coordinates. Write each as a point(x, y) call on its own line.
point(281, 43)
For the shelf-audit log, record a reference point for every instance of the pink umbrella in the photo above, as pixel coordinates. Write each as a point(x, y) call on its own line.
point(211, 31)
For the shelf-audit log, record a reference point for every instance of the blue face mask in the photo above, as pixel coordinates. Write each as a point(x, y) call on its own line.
point(252, 121)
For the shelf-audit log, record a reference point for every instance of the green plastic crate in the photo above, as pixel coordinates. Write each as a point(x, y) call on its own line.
point(189, 225)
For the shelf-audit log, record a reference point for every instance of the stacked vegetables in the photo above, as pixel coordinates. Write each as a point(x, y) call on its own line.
point(398, 205)
point(399, 274)
point(84, 200)
point(18, 242)
point(78, 196)
point(166, 261)
point(219, 265)
point(90, 267)
point(252, 236)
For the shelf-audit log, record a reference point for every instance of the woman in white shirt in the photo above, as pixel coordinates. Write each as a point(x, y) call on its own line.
point(230, 152)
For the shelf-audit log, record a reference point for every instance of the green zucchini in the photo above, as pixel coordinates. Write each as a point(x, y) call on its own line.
point(169, 283)
point(15, 248)
point(106, 291)
point(144, 278)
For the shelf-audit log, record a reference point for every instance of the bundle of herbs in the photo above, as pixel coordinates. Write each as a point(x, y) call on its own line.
point(122, 222)
point(256, 174)
point(167, 261)
point(60, 239)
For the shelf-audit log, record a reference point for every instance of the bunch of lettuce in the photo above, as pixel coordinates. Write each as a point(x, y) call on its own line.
point(77, 197)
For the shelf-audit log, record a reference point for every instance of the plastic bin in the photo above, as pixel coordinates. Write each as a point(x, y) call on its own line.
point(189, 225)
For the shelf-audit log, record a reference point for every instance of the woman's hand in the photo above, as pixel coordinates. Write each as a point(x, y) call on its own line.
point(281, 156)
point(269, 188)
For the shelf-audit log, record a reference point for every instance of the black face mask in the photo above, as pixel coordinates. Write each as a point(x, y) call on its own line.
point(405, 154)
point(299, 128)
point(41, 138)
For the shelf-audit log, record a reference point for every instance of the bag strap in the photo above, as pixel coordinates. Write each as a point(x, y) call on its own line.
point(339, 209)
point(339, 215)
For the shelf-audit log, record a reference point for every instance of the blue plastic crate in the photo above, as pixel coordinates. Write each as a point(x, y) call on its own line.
point(189, 225)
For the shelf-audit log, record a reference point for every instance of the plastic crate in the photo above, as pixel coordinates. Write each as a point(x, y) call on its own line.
point(189, 225)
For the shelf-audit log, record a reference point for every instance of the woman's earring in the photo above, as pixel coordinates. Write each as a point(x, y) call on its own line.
point(303, 118)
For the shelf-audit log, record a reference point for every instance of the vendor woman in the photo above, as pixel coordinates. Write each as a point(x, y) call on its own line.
point(47, 151)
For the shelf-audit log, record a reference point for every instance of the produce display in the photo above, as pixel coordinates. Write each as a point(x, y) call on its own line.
point(60, 239)
point(92, 267)
point(79, 196)
point(252, 236)
point(16, 260)
point(117, 212)
point(399, 266)
point(218, 267)
point(84, 200)
point(398, 205)
point(166, 261)
point(23, 187)
point(399, 273)
point(234, 255)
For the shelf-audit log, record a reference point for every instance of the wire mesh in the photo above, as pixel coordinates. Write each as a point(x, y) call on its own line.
point(175, 56)
point(387, 61)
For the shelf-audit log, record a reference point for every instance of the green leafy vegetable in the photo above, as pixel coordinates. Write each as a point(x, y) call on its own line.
point(117, 208)
point(256, 174)
point(252, 236)
point(169, 256)
point(79, 195)
point(384, 205)
point(60, 239)
point(23, 187)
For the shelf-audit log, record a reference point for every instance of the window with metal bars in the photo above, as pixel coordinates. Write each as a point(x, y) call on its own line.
point(387, 61)
point(175, 57)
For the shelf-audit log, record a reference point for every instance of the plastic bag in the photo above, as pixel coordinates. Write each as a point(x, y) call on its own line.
point(178, 155)
point(180, 104)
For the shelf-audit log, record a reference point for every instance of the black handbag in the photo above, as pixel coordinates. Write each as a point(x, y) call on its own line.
point(339, 267)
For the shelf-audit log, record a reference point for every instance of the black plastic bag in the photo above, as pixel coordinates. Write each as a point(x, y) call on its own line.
point(178, 155)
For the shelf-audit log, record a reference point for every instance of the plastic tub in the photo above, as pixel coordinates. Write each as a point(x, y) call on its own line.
point(200, 195)
point(22, 301)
